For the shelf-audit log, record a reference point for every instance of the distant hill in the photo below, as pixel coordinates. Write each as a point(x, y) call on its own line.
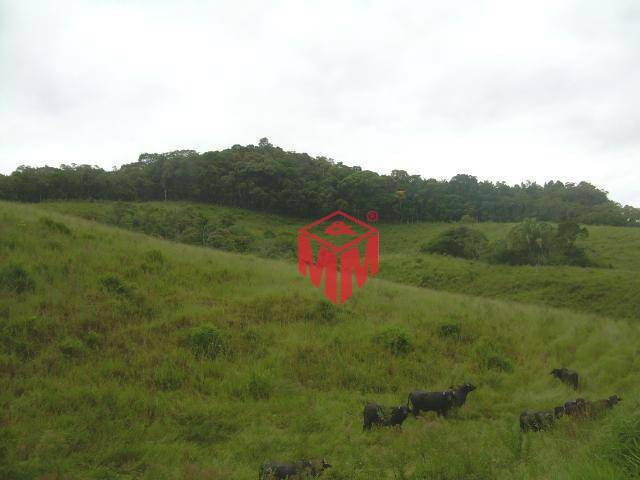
point(267, 178)
point(127, 356)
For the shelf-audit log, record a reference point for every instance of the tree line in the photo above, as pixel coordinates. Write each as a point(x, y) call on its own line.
point(266, 178)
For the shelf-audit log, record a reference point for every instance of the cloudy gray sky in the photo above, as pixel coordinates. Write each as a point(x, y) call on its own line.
point(504, 90)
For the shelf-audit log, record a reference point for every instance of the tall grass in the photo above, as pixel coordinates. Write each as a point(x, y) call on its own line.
point(609, 290)
point(133, 357)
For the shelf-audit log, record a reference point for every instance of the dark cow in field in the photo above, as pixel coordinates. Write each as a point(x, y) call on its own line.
point(566, 376)
point(581, 408)
point(460, 393)
point(296, 470)
point(538, 421)
point(576, 408)
point(439, 402)
point(375, 414)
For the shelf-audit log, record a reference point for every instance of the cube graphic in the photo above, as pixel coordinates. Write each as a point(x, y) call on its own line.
point(337, 238)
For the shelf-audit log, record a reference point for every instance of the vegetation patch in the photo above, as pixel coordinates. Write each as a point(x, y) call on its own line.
point(113, 284)
point(14, 278)
point(461, 241)
point(169, 376)
point(207, 341)
point(395, 340)
point(53, 226)
point(72, 347)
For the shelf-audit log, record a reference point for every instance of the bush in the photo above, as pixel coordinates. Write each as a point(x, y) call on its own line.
point(463, 242)
point(169, 377)
point(322, 311)
point(540, 243)
point(491, 356)
point(259, 386)
point(15, 279)
point(449, 331)
point(54, 226)
point(154, 256)
point(72, 347)
point(395, 340)
point(207, 341)
point(114, 285)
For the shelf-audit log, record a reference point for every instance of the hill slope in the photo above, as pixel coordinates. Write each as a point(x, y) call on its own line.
point(611, 292)
point(131, 357)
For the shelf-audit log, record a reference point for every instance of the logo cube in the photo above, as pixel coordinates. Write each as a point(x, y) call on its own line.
point(337, 238)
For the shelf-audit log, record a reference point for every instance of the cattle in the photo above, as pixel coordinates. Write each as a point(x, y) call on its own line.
point(439, 402)
point(576, 408)
point(296, 470)
point(566, 376)
point(375, 414)
point(598, 407)
point(460, 393)
point(538, 421)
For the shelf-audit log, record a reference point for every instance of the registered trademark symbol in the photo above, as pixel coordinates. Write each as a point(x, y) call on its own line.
point(372, 216)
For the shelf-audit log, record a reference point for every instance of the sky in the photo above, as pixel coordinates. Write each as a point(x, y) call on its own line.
point(503, 90)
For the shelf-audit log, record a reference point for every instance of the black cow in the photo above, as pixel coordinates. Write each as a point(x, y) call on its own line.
point(576, 408)
point(460, 393)
point(537, 421)
point(375, 414)
point(440, 402)
point(301, 469)
point(566, 376)
point(597, 407)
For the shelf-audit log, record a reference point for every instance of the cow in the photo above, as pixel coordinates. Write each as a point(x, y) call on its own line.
point(439, 402)
point(375, 414)
point(296, 470)
point(576, 408)
point(566, 376)
point(460, 393)
point(537, 421)
point(598, 407)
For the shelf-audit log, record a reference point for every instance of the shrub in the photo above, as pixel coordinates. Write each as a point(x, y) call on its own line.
point(207, 341)
point(169, 376)
point(322, 311)
point(57, 227)
point(259, 386)
point(72, 347)
point(154, 256)
point(449, 331)
point(114, 285)
point(92, 339)
point(395, 340)
point(491, 356)
point(15, 279)
point(461, 241)
point(540, 243)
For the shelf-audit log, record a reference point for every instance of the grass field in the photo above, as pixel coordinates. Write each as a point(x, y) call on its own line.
point(610, 290)
point(129, 357)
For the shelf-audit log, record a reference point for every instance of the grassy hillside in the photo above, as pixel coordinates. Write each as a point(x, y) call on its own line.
point(132, 357)
point(605, 291)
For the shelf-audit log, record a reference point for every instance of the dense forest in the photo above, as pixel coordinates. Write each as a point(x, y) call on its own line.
point(267, 178)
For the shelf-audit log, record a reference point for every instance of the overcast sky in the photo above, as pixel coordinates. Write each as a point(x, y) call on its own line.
point(504, 90)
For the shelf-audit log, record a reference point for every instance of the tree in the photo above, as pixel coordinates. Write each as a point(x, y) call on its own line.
point(463, 242)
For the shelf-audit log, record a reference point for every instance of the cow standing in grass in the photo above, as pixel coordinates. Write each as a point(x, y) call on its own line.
point(538, 421)
point(375, 414)
point(460, 393)
point(439, 402)
point(296, 470)
point(581, 408)
point(566, 376)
